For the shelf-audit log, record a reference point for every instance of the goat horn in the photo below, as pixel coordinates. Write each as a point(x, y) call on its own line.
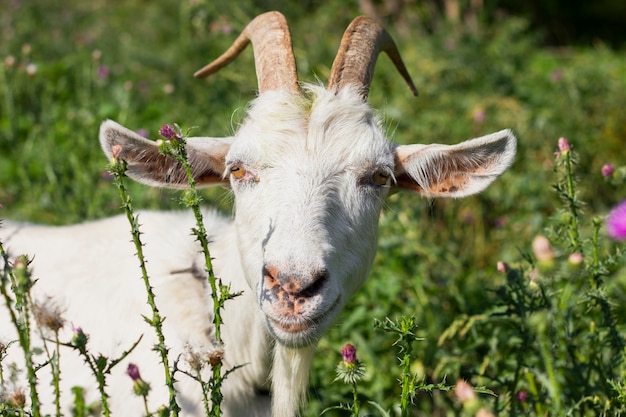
point(273, 53)
point(354, 64)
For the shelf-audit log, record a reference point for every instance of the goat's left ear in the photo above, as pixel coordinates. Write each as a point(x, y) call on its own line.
point(454, 170)
point(147, 165)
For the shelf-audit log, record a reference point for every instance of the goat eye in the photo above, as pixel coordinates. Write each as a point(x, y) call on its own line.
point(380, 177)
point(237, 171)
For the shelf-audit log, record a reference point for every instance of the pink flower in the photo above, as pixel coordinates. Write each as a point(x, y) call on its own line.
point(607, 170)
point(169, 132)
point(348, 352)
point(133, 372)
point(464, 392)
point(616, 223)
point(103, 72)
point(563, 145)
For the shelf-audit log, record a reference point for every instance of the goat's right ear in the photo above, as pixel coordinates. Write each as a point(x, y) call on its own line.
point(147, 165)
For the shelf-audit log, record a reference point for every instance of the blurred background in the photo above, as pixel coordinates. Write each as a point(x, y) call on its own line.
point(545, 69)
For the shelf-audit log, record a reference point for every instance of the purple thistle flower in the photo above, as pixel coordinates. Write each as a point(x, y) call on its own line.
point(607, 170)
point(616, 223)
point(348, 352)
point(563, 145)
point(169, 132)
point(133, 372)
point(140, 387)
point(142, 132)
point(103, 72)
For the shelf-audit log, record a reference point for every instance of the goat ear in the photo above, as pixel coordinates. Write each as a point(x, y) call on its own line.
point(454, 170)
point(147, 165)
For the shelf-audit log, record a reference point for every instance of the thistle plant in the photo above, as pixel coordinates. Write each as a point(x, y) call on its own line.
point(16, 279)
point(117, 167)
point(48, 317)
point(100, 365)
point(350, 370)
point(140, 387)
point(174, 146)
point(564, 348)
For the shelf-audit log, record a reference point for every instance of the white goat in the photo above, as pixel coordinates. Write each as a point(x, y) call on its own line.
point(309, 168)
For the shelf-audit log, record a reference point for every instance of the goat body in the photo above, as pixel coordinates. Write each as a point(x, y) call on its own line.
point(310, 168)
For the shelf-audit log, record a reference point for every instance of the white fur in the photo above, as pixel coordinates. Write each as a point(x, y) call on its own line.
point(306, 214)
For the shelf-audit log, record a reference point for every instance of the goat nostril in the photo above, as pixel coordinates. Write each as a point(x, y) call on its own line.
point(318, 282)
point(270, 274)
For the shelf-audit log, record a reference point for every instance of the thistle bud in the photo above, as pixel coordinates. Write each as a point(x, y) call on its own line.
point(543, 251)
point(170, 132)
point(140, 387)
point(607, 170)
point(350, 369)
point(502, 267)
point(564, 145)
point(466, 395)
point(575, 259)
point(79, 340)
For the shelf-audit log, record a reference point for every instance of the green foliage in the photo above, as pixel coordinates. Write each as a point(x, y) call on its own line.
point(542, 338)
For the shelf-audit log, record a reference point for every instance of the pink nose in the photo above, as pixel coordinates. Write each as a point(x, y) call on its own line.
point(290, 292)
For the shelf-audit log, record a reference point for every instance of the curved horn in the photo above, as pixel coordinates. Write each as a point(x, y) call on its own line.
point(273, 53)
point(354, 64)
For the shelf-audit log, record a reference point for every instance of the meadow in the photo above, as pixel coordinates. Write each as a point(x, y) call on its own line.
point(538, 333)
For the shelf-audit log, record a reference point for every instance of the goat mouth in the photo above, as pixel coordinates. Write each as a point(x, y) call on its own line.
point(302, 326)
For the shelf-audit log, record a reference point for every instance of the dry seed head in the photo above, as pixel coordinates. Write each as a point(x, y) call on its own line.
point(48, 315)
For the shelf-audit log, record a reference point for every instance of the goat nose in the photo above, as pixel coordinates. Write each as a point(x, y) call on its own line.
point(295, 285)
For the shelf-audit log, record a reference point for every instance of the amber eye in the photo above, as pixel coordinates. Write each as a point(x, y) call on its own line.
point(380, 177)
point(237, 171)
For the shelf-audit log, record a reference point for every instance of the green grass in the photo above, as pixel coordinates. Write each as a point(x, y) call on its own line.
point(437, 259)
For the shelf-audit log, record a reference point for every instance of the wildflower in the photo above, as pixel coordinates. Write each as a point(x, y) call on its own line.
point(169, 132)
point(79, 340)
point(48, 315)
point(348, 353)
point(22, 274)
point(103, 72)
point(607, 170)
point(479, 115)
point(484, 413)
point(142, 132)
point(115, 151)
point(198, 358)
point(350, 369)
point(502, 267)
point(542, 249)
point(9, 61)
point(575, 259)
point(140, 387)
point(616, 223)
point(96, 54)
point(17, 398)
point(464, 391)
point(564, 146)
point(521, 396)
point(31, 70)
point(168, 88)
point(466, 395)
point(556, 75)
